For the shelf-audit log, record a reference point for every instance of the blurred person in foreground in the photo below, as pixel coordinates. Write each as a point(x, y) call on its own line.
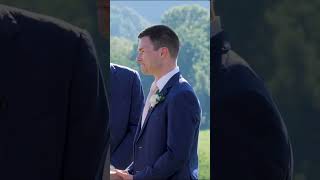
point(53, 104)
point(250, 140)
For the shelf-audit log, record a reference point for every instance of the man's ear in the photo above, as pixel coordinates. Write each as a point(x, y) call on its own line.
point(164, 52)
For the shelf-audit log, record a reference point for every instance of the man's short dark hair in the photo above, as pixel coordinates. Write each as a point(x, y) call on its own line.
point(162, 36)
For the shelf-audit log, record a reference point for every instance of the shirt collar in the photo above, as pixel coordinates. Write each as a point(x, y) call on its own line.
point(164, 79)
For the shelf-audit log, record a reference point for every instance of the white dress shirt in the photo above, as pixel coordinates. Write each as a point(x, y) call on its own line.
point(164, 79)
point(159, 86)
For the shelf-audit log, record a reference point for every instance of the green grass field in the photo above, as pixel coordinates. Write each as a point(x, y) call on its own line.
point(204, 155)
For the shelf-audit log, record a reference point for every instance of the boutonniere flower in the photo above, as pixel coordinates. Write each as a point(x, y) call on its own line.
point(155, 99)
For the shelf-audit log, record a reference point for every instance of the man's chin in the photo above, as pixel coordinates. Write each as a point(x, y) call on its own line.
point(144, 71)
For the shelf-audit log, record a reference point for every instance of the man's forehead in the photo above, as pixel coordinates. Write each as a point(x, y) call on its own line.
point(142, 46)
point(145, 41)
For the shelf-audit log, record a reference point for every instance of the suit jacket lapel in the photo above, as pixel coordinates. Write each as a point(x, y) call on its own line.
point(164, 92)
point(146, 120)
point(137, 131)
point(113, 78)
point(112, 99)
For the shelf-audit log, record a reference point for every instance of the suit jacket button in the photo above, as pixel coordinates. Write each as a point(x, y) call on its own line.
point(140, 147)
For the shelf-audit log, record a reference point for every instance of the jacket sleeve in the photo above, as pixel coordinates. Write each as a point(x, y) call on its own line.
point(136, 106)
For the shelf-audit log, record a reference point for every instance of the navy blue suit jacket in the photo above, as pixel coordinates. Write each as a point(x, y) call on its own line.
point(126, 104)
point(53, 106)
point(166, 146)
point(250, 139)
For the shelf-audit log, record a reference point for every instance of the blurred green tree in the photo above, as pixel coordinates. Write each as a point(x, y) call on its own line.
point(296, 78)
point(120, 52)
point(125, 22)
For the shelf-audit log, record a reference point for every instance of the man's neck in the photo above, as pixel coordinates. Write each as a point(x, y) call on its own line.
point(157, 77)
point(216, 26)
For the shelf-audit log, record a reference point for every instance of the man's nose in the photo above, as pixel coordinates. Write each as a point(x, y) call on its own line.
point(139, 57)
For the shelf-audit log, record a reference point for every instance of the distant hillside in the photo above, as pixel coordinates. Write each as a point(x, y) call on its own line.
point(126, 22)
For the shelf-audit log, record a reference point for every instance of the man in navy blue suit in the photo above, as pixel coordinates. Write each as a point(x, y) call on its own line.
point(53, 105)
point(165, 145)
point(126, 104)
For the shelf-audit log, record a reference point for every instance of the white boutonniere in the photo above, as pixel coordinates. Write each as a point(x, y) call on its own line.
point(155, 99)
